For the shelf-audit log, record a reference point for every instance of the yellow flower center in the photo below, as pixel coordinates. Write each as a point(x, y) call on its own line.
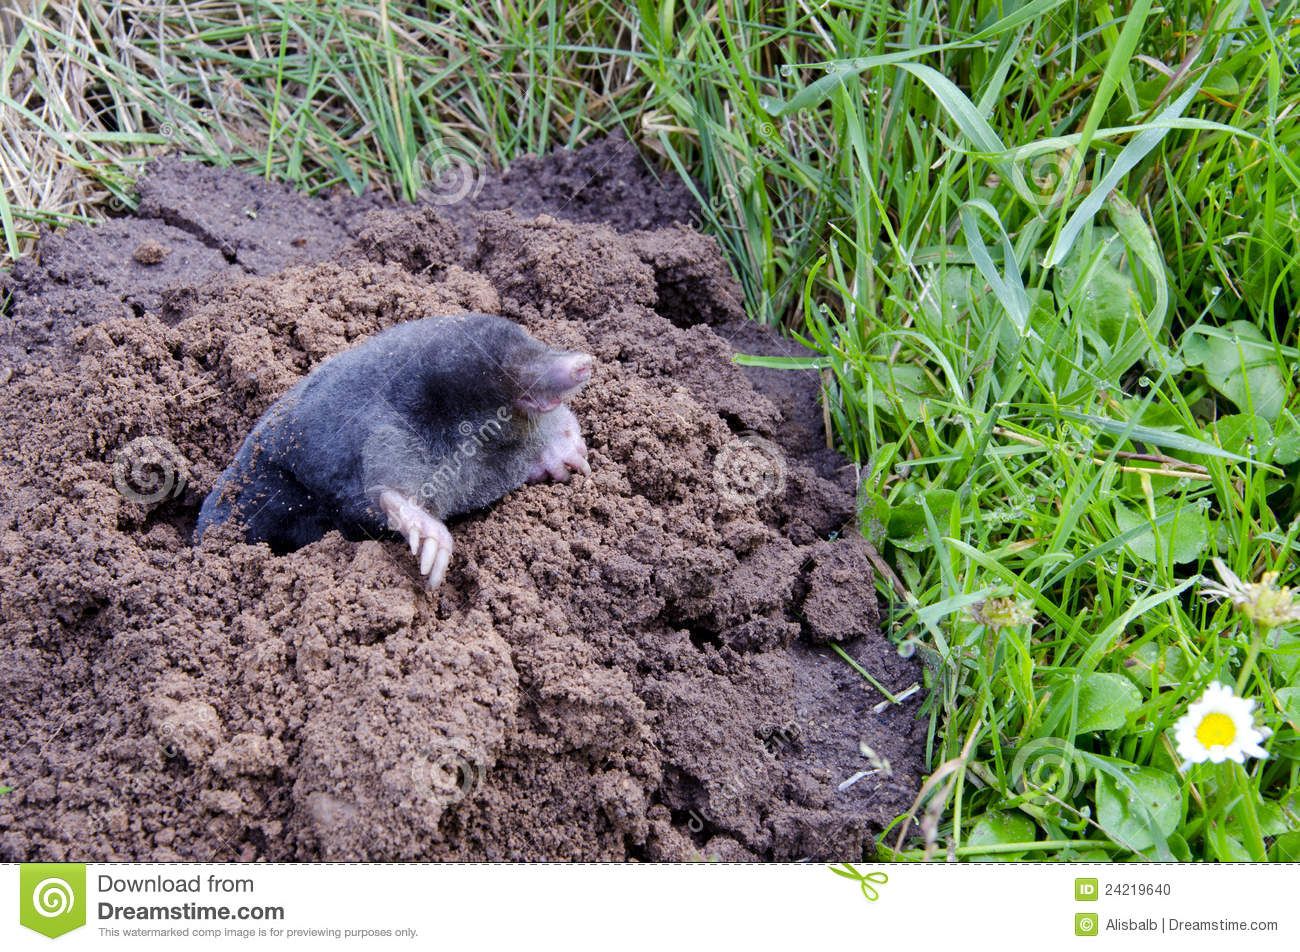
point(1216, 730)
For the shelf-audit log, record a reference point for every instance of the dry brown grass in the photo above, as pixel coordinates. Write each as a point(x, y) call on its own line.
point(318, 94)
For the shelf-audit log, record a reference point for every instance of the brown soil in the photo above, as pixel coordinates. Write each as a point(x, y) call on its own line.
point(620, 667)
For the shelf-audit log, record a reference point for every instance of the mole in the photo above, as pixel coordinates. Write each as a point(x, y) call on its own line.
point(424, 421)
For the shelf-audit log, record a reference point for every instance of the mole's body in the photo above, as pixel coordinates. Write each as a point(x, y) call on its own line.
point(425, 421)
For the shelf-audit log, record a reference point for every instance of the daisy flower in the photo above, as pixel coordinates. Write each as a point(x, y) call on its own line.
point(1265, 602)
point(1218, 727)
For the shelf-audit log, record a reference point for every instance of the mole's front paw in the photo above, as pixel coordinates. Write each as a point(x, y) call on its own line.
point(565, 451)
point(429, 539)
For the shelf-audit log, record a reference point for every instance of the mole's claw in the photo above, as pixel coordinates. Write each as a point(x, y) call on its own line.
point(440, 566)
point(429, 539)
point(565, 451)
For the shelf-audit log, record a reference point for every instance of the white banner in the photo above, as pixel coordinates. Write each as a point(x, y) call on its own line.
point(213, 906)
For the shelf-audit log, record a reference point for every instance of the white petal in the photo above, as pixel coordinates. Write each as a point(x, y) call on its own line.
point(1193, 752)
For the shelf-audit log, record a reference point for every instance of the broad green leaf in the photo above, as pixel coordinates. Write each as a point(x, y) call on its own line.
point(1182, 539)
point(904, 382)
point(1273, 820)
point(1222, 82)
point(1239, 364)
point(1285, 656)
point(1105, 702)
point(1227, 848)
point(1289, 699)
point(1285, 849)
point(1286, 445)
point(1245, 433)
point(1170, 665)
point(1000, 828)
point(1105, 302)
point(907, 524)
point(1139, 810)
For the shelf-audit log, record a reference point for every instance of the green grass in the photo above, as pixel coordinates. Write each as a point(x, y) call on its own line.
point(1046, 252)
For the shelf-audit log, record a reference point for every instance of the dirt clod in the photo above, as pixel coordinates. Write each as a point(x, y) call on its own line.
point(149, 252)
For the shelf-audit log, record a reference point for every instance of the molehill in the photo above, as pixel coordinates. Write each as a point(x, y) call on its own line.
point(628, 666)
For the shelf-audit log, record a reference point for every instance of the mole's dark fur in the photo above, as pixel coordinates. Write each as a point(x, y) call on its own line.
point(449, 413)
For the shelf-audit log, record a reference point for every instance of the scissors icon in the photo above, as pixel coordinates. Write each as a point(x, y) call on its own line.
point(864, 880)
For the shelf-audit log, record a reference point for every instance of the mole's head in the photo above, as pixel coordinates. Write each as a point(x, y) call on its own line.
point(541, 378)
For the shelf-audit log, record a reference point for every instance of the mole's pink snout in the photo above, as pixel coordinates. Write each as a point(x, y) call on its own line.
point(573, 370)
point(558, 378)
